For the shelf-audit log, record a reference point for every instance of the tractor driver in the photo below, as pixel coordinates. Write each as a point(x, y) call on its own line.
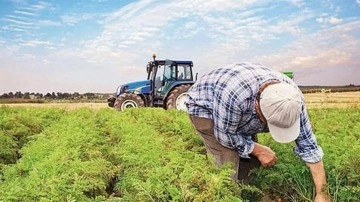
point(229, 105)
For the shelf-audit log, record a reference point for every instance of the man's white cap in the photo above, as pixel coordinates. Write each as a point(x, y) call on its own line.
point(281, 104)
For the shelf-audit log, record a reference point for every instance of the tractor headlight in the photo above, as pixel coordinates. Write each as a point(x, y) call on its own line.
point(137, 91)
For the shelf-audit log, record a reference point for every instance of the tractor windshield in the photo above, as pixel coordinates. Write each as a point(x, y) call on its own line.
point(184, 72)
point(169, 70)
point(177, 71)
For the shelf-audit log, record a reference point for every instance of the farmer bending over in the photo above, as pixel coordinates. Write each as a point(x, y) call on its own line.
point(228, 106)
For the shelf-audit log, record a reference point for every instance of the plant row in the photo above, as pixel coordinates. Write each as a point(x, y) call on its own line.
point(138, 155)
point(155, 155)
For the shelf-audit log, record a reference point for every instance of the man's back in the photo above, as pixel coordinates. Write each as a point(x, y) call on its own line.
point(231, 87)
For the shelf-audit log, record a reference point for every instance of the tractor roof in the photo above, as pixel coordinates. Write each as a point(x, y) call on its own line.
point(162, 62)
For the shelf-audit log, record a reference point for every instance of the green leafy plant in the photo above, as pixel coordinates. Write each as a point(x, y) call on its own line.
point(152, 154)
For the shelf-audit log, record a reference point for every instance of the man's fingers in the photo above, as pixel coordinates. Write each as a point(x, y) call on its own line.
point(269, 164)
point(266, 156)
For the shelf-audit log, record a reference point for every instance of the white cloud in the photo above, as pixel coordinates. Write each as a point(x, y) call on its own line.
point(41, 5)
point(27, 56)
point(69, 19)
point(19, 27)
point(335, 20)
point(17, 1)
point(320, 20)
point(24, 18)
point(17, 20)
point(326, 57)
point(325, 19)
point(230, 27)
point(35, 43)
point(48, 23)
point(327, 48)
point(25, 13)
point(72, 19)
point(298, 3)
point(148, 20)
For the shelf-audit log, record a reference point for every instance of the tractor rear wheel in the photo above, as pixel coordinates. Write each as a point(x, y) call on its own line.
point(176, 98)
point(128, 100)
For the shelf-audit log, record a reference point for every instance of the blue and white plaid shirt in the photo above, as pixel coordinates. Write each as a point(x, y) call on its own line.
point(227, 96)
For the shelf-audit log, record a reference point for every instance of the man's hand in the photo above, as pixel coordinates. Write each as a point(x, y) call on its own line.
point(266, 156)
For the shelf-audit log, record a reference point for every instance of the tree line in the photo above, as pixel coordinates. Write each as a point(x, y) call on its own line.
point(53, 95)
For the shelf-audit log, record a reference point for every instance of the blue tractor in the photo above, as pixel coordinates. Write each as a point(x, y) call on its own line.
point(166, 86)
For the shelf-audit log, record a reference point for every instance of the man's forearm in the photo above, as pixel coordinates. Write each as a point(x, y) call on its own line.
point(319, 178)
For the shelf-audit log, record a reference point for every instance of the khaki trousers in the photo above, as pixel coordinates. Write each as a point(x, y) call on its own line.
point(221, 154)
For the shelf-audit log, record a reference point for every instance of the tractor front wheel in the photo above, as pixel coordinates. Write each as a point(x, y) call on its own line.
point(176, 98)
point(111, 101)
point(128, 100)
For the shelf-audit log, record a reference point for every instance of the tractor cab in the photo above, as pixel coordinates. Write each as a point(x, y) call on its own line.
point(165, 75)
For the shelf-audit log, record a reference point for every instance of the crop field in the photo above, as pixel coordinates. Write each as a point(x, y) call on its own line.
point(343, 99)
point(64, 105)
point(313, 100)
point(89, 152)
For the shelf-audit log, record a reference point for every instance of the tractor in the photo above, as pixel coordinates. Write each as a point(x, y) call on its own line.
point(166, 86)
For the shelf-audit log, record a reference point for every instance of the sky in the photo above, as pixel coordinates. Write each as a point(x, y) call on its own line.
point(95, 45)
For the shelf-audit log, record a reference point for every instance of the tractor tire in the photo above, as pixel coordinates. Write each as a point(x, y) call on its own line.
point(176, 98)
point(111, 101)
point(128, 100)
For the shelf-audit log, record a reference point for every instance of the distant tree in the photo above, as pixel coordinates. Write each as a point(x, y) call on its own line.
point(59, 95)
point(67, 96)
point(76, 95)
point(89, 95)
point(11, 95)
point(38, 95)
point(26, 95)
point(5, 95)
point(47, 96)
point(18, 94)
point(53, 95)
